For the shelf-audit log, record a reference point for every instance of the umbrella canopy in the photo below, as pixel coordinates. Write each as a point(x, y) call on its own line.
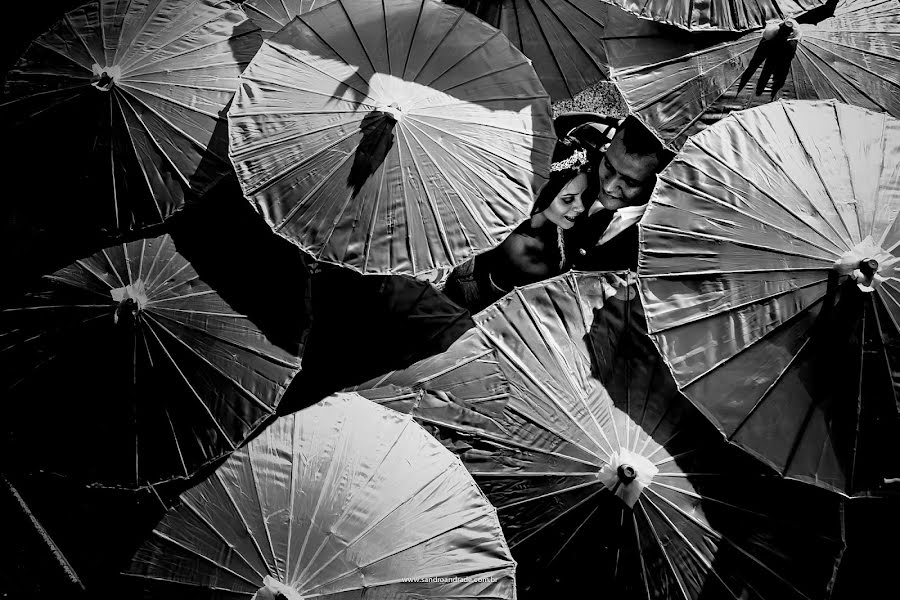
point(563, 38)
point(748, 253)
point(272, 15)
point(679, 83)
point(127, 369)
point(116, 113)
point(724, 15)
point(345, 499)
point(391, 138)
point(567, 417)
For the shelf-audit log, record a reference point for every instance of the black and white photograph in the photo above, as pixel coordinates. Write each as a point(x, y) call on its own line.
point(452, 300)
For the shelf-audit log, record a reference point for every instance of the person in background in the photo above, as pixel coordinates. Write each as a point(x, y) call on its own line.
point(628, 158)
point(539, 247)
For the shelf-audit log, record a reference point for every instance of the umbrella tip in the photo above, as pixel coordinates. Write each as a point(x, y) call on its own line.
point(626, 473)
point(104, 78)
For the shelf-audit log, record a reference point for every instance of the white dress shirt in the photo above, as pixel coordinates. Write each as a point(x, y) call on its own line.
point(622, 219)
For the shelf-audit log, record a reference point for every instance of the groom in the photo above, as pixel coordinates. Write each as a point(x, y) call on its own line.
point(625, 177)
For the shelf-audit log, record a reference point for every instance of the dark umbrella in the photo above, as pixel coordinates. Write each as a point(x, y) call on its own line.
point(724, 15)
point(142, 372)
point(117, 112)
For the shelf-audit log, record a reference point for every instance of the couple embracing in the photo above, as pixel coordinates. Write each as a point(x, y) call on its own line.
point(585, 217)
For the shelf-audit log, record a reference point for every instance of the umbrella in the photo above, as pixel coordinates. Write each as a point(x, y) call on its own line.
point(120, 106)
point(126, 369)
point(395, 138)
point(724, 15)
point(571, 424)
point(272, 15)
point(679, 83)
point(563, 38)
point(342, 500)
point(751, 252)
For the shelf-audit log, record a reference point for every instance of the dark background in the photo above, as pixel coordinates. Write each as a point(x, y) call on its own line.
point(360, 330)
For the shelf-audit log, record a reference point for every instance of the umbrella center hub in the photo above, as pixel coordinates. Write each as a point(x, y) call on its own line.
point(392, 111)
point(104, 78)
point(627, 474)
point(273, 589)
point(132, 299)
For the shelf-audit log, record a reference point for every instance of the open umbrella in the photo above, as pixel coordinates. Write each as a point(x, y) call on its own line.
point(342, 500)
point(116, 113)
point(724, 15)
point(272, 15)
point(391, 138)
point(755, 265)
point(126, 369)
point(679, 83)
point(563, 38)
point(570, 422)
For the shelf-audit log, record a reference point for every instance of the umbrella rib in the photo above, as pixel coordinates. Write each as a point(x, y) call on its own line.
point(81, 39)
point(404, 193)
point(147, 60)
point(574, 533)
point(255, 351)
point(509, 159)
point(112, 267)
point(771, 160)
point(818, 172)
point(155, 292)
point(508, 441)
point(537, 382)
point(55, 550)
point(445, 116)
point(188, 502)
point(302, 579)
point(859, 393)
point(296, 59)
point(35, 367)
point(184, 134)
point(693, 549)
point(138, 157)
point(84, 266)
point(140, 273)
point(439, 223)
point(256, 486)
point(40, 42)
point(202, 586)
point(414, 76)
point(810, 36)
point(79, 88)
point(132, 89)
point(284, 85)
point(718, 535)
point(292, 495)
point(141, 61)
point(829, 261)
point(556, 517)
point(205, 558)
point(181, 461)
point(394, 551)
point(469, 170)
point(183, 296)
point(546, 41)
point(184, 378)
point(254, 148)
point(150, 284)
point(748, 346)
point(355, 34)
point(126, 264)
point(662, 549)
point(55, 306)
point(710, 198)
point(557, 492)
point(472, 51)
point(278, 176)
point(130, 47)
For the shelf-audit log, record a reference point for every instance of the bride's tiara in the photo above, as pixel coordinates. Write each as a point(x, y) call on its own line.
point(578, 159)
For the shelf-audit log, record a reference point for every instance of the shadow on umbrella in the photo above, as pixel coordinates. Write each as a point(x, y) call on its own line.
point(258, 273)
point(377, 139)
point(775, 57)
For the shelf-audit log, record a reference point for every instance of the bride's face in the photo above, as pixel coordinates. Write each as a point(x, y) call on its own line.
point(567, 205)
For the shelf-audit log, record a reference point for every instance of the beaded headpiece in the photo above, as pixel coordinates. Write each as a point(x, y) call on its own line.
point(578, 159)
